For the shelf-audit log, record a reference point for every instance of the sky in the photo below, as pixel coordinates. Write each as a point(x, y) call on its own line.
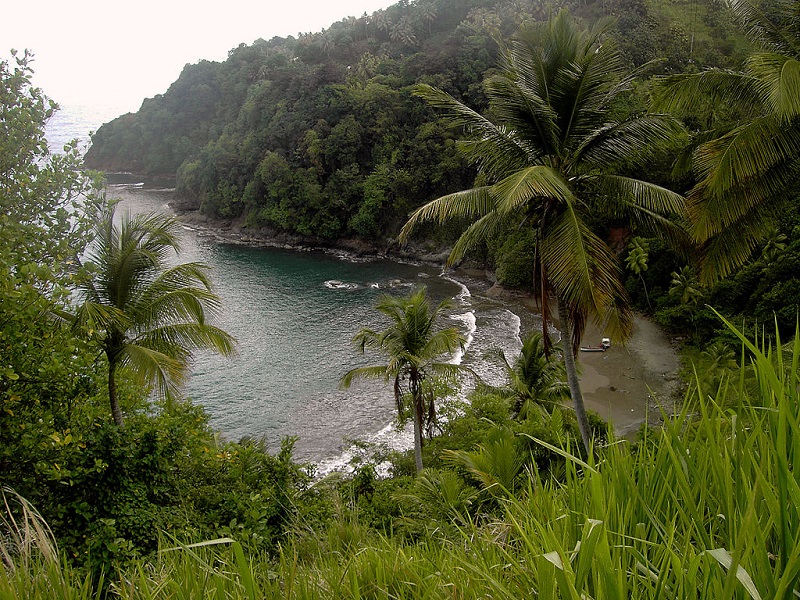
point(113, 55)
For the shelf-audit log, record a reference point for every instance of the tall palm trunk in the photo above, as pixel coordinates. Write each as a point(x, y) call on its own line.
point(572, 375)
point(116, 412)
point(416, 398)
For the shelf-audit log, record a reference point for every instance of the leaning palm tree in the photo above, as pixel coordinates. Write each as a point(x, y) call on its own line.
point(413, 348)
point(746, 168)
point(146, 316)
point(552, 159)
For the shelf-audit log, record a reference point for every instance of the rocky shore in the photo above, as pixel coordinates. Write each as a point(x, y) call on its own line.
point(233, 231)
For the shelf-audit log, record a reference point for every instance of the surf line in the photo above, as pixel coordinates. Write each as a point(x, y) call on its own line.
point(390, 436)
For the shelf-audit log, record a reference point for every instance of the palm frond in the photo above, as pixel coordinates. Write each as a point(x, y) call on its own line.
point(472, 203)
point(100, 317)
point(517, 104)
point(481, 230)
point(634, 142)
point(637, 194)
point(182, 339)
point(651, 209)
point(444, 341)
point(366, 338)
point(755, 158)
point(580, 266)
point(495, 142)
point(780, 79)
point(760, 29)
point(587, 91)
point(372, 372)
point(734, 244)
point(537, 182)
point(679, 93)
point(151, 367)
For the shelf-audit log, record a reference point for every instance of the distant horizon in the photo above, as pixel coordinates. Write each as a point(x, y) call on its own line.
point(87, 56)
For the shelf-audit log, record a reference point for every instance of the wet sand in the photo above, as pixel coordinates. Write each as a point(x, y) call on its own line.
point(627, 384)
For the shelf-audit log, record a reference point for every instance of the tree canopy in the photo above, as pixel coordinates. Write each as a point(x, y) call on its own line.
point(554, 157)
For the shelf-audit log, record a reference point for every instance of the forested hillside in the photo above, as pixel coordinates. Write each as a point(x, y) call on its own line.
point(321, 135)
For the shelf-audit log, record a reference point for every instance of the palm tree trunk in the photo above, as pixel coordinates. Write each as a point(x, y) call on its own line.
point(646, 295)
point(417, 443)
point(572, 376)
point(112, 393)
point(416, 398)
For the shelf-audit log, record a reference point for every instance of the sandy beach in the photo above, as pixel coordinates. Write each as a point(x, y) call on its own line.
point(627, 384)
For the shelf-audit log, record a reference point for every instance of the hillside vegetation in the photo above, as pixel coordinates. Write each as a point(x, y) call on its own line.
point(321, 136)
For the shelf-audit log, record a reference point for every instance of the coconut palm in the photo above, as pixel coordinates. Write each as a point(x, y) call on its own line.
point(684, 286)
point(636, 262)
point(535, 376)
point(146, 316)
point(413, 348)
point(744, 169)
point(551, 159)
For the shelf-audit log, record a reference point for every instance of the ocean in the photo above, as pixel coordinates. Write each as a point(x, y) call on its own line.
point(294, 314)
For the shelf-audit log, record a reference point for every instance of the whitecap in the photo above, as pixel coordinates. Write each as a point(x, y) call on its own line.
point(335, 284)
point(462, 296)
point(469, 321)
point(127, 186)
point(390, 437)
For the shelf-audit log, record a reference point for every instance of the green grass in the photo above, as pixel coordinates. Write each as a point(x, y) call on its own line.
point(706, 507)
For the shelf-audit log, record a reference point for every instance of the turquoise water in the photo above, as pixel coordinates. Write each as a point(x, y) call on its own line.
point(294, 314)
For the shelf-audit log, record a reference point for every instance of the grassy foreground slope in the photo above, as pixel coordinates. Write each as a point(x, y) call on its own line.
point(706, 507)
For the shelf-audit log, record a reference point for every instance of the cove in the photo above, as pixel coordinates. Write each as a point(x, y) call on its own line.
point(294, 314)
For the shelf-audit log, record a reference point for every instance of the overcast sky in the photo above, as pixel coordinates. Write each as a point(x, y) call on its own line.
point(107, 53)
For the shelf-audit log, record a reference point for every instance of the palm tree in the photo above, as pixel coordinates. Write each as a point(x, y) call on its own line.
point(685, 287)
point(551, 161)
point(535, 376)
point(412, 347)
point(428, 14)
point(636, 262)
point(743, 170)
point(147, 317)
point(774, 246)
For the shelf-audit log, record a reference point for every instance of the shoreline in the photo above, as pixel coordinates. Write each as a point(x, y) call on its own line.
point(627, 385)
point(232, 231)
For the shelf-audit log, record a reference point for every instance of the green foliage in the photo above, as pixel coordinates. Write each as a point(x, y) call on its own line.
point(743, 167)
point(108, 493)
point(414, 347)
point(144, 315)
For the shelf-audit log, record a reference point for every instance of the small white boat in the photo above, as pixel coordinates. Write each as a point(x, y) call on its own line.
point(604, 345)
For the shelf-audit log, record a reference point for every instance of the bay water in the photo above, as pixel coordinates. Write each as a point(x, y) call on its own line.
point(294, 314)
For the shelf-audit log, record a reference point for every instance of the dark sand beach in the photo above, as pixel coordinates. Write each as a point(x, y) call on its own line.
point(627, 384)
